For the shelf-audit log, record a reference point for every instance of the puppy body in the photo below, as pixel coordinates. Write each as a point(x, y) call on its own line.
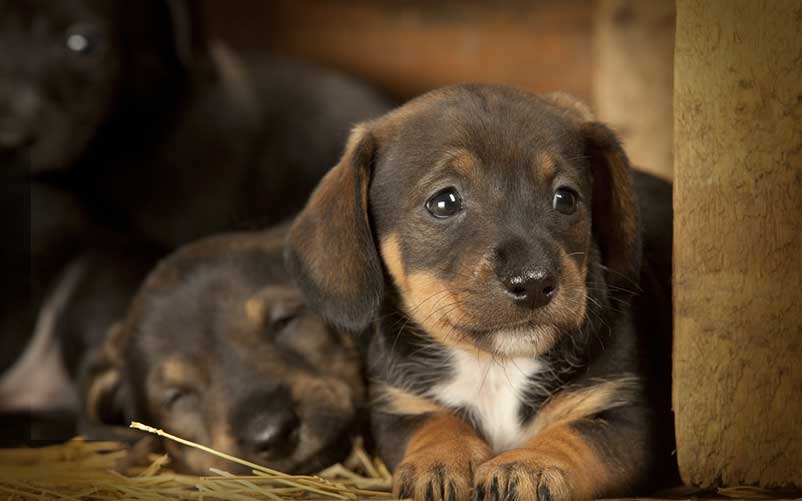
point(493, 240)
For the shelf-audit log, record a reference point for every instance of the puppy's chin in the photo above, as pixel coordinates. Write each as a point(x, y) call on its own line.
point(531, 341)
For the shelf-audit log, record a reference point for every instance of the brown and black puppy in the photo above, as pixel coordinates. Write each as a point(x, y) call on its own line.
point(218, 348)
point(493, 240)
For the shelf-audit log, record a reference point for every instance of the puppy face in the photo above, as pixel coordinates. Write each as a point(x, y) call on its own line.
point(67, 66)
point(218, 348)
point(497, 216)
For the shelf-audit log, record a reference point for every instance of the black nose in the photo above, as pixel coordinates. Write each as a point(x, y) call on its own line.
point(533, 288)
point(272, 434)
point(19, 107)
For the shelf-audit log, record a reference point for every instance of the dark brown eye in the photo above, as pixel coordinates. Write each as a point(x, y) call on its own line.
point(564, 201)
point(445, 203)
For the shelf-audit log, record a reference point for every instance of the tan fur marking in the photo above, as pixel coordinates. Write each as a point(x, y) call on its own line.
point(432, 304)
point(390, 250)
point(573, 277)
point(255, 310)
point(545, 165)
point(465, 163)
point(176, 371)
point(443, 446)
point(401, 402)
point(573, 405)
point(561, 461)
point(427, 299)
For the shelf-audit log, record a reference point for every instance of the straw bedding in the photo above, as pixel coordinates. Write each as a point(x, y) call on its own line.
point(82, 470)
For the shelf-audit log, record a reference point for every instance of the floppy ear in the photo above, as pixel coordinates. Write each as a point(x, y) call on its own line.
point(615, 210)
point(104, 397)
point(330, 249)
point(189, 32)
point(570, 106)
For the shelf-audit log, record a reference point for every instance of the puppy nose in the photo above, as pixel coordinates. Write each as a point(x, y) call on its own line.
point(18, 111)
point(533, 288)
point(273, 434)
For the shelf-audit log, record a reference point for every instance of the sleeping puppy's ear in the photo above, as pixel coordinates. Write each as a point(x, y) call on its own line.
point(189, 32)
point(615, 210)
point(330, 249)
point(104, 397)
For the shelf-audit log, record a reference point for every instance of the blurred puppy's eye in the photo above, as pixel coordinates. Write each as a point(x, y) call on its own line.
point(281, 322)
point(80, 41)
point(176, 395)
point(564, 201)
point(445, 203)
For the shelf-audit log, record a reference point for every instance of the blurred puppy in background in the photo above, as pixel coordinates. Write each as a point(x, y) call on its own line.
point(494, 240)
point(218, 347)
point(136, 128)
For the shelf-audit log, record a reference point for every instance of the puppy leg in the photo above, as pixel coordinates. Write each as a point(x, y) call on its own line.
point(573, 461)
point(438, 464)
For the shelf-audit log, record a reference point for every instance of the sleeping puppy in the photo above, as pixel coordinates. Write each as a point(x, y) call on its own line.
point(217, 347)
point(492, 239)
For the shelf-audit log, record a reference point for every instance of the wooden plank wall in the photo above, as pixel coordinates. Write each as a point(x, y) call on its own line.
point(412, 46)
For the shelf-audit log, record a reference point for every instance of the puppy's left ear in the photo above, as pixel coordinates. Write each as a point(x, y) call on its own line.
point(615, 210)
point(330, 250)
point(189, 32)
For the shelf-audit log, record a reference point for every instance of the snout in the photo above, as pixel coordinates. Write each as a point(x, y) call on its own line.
point(19, 108)
point(528, 273)
point(267, 426)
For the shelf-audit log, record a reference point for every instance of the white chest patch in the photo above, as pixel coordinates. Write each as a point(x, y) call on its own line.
point(493, 391)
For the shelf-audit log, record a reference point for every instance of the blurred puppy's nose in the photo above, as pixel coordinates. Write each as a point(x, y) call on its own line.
point(266, 424)
point(273, 434)
point(19, 109)
point(532, 288)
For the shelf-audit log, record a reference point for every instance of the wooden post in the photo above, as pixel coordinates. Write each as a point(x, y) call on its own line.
point(738, 242)
point(633, 74)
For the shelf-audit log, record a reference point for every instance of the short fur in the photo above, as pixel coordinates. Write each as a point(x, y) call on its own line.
point(479, 388)
point(217, 347)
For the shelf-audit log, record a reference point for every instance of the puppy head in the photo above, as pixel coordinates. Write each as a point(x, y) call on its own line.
point(497, 216)
point(220, 349)
point(67, 66)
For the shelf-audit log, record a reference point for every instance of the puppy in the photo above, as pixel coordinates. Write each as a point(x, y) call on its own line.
point(218, 348)
point(132, 123)
point(162, 133)
point(492, 240)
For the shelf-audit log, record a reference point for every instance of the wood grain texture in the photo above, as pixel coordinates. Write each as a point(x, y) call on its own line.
point(738, 242)
point(414, 46)
point(634, 70)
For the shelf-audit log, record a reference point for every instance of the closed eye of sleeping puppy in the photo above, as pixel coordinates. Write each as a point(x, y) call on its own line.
point(218, 347)
point(493, 240)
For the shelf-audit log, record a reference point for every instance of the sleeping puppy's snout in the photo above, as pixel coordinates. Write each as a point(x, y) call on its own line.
point(19, 107)
point(267, 432)
point(528, 274)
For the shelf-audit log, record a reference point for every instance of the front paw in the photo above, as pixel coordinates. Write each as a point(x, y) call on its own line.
point(433, 477)
point(509, 478)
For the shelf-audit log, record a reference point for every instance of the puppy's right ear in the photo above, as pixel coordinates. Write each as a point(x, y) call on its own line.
point(330, 249)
